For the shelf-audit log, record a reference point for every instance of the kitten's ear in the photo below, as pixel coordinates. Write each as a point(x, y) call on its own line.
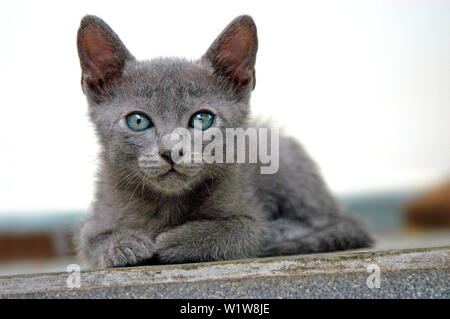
point(102, 55)
point(233, 53)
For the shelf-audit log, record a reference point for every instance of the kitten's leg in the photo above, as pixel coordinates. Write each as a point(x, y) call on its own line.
point(114, 248)
point(289, 237)
point(208, 240)
point(304, 215)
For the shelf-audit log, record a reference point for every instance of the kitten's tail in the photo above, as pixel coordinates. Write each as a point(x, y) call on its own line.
point(290, 237)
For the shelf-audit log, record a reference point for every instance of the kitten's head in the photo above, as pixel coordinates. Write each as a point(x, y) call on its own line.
point(135, 105)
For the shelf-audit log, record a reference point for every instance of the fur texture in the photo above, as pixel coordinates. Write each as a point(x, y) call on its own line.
point(203, 212)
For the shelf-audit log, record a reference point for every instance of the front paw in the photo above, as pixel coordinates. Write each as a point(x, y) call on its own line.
point(172, 248)
point(127, 250)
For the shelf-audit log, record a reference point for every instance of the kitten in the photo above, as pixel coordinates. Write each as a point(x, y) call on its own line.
point(149, 208)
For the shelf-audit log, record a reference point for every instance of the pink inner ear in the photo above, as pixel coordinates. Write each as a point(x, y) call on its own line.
point(98, 50)
point(236, 48)
point(235, 53)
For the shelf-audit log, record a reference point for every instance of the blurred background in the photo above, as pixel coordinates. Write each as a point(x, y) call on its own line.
point(364, 85)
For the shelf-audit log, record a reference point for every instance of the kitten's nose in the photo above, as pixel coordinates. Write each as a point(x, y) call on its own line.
point(166, 146)
point(167, 155)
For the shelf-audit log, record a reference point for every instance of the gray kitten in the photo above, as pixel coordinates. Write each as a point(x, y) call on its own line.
point(149, 209)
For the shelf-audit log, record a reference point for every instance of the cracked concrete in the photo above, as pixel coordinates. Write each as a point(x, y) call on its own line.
point(410, 273)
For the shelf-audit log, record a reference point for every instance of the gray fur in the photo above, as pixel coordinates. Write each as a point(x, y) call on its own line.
point(213, 211)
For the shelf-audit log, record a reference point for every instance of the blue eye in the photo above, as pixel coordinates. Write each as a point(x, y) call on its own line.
point(138, 122)
point(201, 121)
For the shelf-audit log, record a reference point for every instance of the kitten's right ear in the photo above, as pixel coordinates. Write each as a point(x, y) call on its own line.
point(102, 55)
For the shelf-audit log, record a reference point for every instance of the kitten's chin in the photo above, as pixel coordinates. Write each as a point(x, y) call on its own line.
point(171, 182)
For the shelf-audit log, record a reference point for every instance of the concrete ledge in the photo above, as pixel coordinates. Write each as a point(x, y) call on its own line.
point(420, 273)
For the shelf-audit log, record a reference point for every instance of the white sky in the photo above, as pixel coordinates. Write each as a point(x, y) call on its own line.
point(364, 85)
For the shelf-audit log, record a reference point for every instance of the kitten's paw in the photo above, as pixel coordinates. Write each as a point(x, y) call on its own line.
point(127, 250)
point(171, 248)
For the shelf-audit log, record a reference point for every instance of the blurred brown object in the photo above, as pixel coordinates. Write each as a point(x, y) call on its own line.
point(430, 210)
point(35, 245)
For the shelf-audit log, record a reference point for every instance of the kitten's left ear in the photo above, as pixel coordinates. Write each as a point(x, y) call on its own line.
point(233, 53)
point(102, 55)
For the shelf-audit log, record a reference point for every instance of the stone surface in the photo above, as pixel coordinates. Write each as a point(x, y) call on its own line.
point(412, 273)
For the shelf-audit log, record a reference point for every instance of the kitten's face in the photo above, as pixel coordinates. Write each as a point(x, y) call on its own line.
point(135, 109)
point(168, 93)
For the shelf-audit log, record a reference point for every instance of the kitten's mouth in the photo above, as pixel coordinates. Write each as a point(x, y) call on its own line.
point(173, 179)
point(171, 173)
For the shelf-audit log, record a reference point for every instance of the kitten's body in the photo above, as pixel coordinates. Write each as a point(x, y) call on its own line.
point(210, 211)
